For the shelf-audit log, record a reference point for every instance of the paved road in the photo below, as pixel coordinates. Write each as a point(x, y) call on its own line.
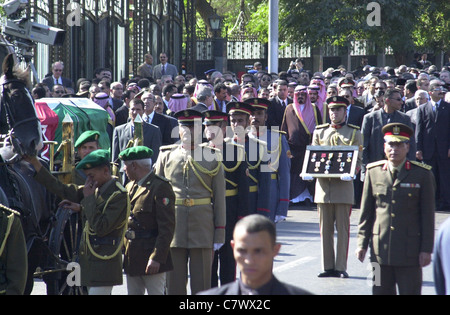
point(299, 261)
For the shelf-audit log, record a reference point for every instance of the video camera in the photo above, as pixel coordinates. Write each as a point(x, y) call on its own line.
point(23, 28)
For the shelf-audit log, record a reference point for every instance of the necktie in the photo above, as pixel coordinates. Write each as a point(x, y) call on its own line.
point(163, 71)
point(394, 174)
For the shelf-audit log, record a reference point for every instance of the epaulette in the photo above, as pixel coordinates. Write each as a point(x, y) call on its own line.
point(162, 178)
point(8, 211)
point(121, 188)
point(231, 142)
point(168, 147)
point(279, 131)
point(353, 126)
point(259, 141)
point(378, 163)
point(322, 126)
point(422, 165)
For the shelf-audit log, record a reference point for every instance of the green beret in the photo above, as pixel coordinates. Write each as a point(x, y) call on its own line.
point(94, 159)
point(136, 153)
point(87, 136)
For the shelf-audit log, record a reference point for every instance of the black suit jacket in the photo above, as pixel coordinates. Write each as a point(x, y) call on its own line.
point(356, 115)
point(165, 127)
point(433, 131)
point(275, 112)
point(278, 288)
point(49, 81)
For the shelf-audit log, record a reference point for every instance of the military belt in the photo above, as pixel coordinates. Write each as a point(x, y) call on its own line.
point(253, 188)
point(231, 192)
point(192, 202)
point(134, 235)
point(105, 240)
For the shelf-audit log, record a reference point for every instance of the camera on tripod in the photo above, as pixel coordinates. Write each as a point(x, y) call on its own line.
point(22, 29)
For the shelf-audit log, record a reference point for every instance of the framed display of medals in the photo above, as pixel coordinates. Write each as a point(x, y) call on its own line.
point(330, 161)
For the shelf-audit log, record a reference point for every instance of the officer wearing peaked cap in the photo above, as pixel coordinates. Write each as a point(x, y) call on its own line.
point(197, 177)
point(104, 208)
point(151, 224)
point(397, 215)
point(278, 152)
point(334, 196)
point(256, 157)
point(235, 168)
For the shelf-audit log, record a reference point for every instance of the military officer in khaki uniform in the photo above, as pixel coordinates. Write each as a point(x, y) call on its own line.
point(105, 209)
point(85, 144)
point(197, 177)
point(334, 196)
point(150, 226)
point(397, 216)
point(13, 254)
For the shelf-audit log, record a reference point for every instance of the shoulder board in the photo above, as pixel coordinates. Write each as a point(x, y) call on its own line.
point(422, 165)
point(8, 211)
point(168, 147)
point(353, 126)
point(229, 141)
point(162, 178)
point(259, 141)
point(121, 188)
point(378, 163)
point(279, 131)
point(322, 126)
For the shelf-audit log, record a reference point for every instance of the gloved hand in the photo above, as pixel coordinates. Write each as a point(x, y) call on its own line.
point(279, 218)
point(307, 178)
point(217, 246)
point(346, 178)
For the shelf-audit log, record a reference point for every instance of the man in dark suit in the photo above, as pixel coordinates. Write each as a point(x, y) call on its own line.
point(124, 133)
point(255, 236)
point(433, 141)
point(374, 121)
point(57, 78)
point(152, 117)
point(164, 68)
point(275, 112)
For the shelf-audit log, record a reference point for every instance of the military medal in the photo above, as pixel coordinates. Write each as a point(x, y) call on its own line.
point(327, 169)
point(313, 157)
point(339, 157)
point(342, 166)
point(323, 157)
point(330, 156)
point(317, 167)
point(349, 157)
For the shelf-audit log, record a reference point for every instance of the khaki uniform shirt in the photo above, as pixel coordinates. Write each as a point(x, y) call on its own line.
point(197, 226)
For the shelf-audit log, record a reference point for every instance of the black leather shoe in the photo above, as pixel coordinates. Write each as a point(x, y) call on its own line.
point(327, 274)
point(342, 274)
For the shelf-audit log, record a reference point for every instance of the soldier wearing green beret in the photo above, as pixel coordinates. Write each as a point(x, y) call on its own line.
point(105, 209)
point(151, 224)
point(13, 254)
point(85, 144)
point(397, 216)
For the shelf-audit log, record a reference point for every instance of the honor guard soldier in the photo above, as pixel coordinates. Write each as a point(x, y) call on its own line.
point(397, 216)
point(256, 157)
point(197, 177)
point(150, 226)
point(105, 209)
point(85, 144)
point(278, 152)
point(235, 167)
point(335, 196)
point(13, 253)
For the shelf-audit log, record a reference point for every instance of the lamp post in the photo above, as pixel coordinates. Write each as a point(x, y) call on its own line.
point(215, 22)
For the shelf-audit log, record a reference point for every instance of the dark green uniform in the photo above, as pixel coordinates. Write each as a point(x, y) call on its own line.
point(105, 217)
point(13, 254)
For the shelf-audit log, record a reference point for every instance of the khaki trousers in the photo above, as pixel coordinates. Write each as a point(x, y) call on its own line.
point(331, 214)
point(153, 284)
point(199, 261)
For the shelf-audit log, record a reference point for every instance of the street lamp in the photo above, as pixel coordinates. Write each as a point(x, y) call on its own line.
point(218, 42)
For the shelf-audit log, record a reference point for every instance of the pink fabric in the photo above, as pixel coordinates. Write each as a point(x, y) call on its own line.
point(177, 103)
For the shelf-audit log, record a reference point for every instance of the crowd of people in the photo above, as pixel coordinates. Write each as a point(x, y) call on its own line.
point(258, 128)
